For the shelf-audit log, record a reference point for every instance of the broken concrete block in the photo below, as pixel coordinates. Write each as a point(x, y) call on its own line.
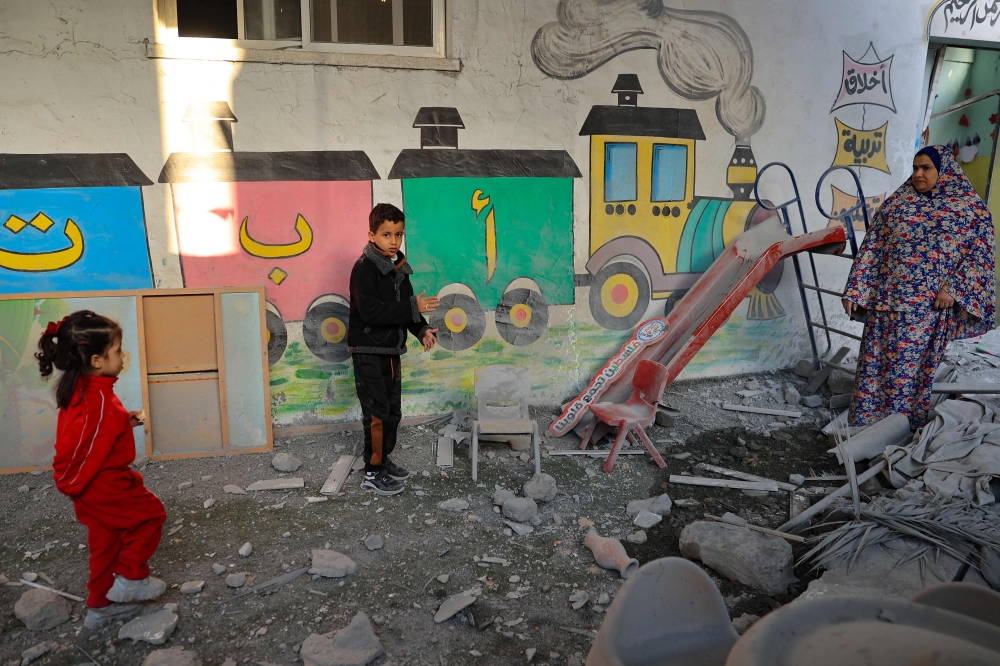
point(192, 587)
point(236, 579)
point(804, 368)
point(840, 401)
point(374, 542)
point(840, 382)
point(744, 622)
point(175, 656)
point(661, 506)
point(354, 645)
point(453, 605)
point(759, 560)
point(277, 484)
point(36, 651)
point(285, 462)
point(520, 509)
point(646, 519)
point(663, 419)
point(792, 396)
point(154, 628)
point(637, 537)
point(522, 530)
point(246, 549)
point(872, 441)
point(23, 489)
point(233, 490)
point(813, 401)
point(604, 599)
point(41, 610)
point(331, 564)
point(454, 504)
point(444, 578)
point(579, 599)
point(541, 487)
point(209, 503)
point(185, 485)
point(219, 569)
point(502, 495)
point(797, 479)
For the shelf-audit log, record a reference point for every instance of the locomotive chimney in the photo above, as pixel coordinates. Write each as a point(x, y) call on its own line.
point(628, 89)
point(211, 126)
point(439, 126)
point(742, 172)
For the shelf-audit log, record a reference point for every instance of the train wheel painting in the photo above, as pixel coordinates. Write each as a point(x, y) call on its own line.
point(460, 321)
point(619, 296)
point(522, 316)
point(277, 334)
point(764, 305)
point(325, 331)
point(672, 300)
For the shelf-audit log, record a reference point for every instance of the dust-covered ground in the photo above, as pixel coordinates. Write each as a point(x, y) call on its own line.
point(397, 586)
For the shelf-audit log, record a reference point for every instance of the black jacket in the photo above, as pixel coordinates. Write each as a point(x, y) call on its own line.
point(383, 306)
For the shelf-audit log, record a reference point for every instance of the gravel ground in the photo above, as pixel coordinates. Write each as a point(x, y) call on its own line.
point(397, 586)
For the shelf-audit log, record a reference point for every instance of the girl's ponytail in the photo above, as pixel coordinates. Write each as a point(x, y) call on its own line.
point(69, 344)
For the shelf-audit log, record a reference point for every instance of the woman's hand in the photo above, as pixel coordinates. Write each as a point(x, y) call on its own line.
point(849, 307)
point(425, 305)
point(944, 300)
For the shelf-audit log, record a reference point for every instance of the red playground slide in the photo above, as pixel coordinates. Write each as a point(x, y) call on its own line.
point(673, 341)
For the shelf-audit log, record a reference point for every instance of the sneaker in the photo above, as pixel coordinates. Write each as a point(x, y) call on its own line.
point(380, 482)
point(395, 471)
point(102, 617)
point(125, 590)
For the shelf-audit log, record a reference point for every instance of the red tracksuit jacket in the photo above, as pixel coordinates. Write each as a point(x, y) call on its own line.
point(93, 434)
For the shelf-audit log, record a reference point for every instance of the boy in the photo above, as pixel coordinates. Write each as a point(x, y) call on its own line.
point(383, 309)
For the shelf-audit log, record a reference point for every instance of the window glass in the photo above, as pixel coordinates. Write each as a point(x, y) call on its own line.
point(418, 22)
point(207, 18)
point(364, 21)
point(272, 19)
point(669, 172)
point(619, 171)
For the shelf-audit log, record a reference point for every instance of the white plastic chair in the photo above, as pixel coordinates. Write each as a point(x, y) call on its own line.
point(502, 393)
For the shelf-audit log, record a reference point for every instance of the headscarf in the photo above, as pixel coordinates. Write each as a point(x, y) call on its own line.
point(919, 243)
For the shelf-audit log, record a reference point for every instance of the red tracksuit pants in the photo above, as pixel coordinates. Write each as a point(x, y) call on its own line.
point(123, 521)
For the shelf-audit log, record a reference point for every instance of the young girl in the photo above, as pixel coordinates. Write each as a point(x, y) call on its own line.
point(94, 447)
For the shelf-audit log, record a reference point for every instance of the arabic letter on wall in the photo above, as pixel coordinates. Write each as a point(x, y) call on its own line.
point(842, 202)
point(861, 148)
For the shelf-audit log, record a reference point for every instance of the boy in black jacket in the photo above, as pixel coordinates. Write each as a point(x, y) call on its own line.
point(383, 309)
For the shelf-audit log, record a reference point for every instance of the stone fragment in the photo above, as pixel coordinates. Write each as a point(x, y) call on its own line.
point(535, 520)
point(154, 628)
point(520, 509)
point(23, 489)
point(744, 622)
point(813, 401)
point(454, 504)
point(444, 578)
point(646, 519)
point(236, 579)
point(331, 564)
point(796, 479)
point(840, 382)
point(354, 645)
point(285, 462)
point(637, 537)
point(804, 369)
point(502, 495)
point(604, 599)
point(175, 656)
point(185, 485)
point(41, 610)
point(687, 502)
point(521, 530)
point(579, 599)
point(529, 654)
point(840, 401)
point(233, 490)
point(277, 484)
point(661, 506)
point(36, 651)
point(663, 419)
point(192, 587)
point(792, 396)
point(209, 503)
point(374, 542)
point(453, 605)
point(541, 487)
point(219, 569)
point(246, 549)
point(759, 560)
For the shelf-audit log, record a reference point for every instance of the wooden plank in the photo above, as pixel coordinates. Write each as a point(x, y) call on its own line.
point(968, 388)
point(180, 331)
point(338, 476)
point(705, 467)
point(761, 410)
point(824, 374)
point(189, 415)
point(723, 483)
point(143, 377)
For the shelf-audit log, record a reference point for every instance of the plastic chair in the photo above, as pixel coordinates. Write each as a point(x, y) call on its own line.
point(502, 393)
point(636, 413)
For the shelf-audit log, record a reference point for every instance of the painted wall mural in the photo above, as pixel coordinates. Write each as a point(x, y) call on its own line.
point(71, 222)
point(866, 83)
point(861, 148)
point(962, 17)
point(843, 202)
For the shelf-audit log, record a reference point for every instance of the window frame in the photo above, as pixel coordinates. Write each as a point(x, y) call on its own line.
point(166, 34)
point(608, 165)
point(652, 172)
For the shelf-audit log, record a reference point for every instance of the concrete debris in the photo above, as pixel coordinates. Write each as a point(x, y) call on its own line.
point(23, 489)
point(744, 622)
point(443, 578)
point(41, 610)
point(374, 542)
point(796, 479)
point(646, 519)
point(185, 485)
point(841, 401)
point(873, 440)
point(840, 382)
point(236, 579)
point(521, 530)
point(246, 549)
point(637, 537)
point(501, 495)
point(761, 410)
point(331, 564)
point(579, 599)
point(37, 651)
point(759, 560)
point(209, 503)
point(453, 605)
point(233, 490)
point(285, 462)
point(661, 506)
point(529, 654)
point(769, 486)
point(804, 369)
point(541, 487)
point(454, 504)
point(520, 509)
point(154, 628)
point(175, 656)
point(813, 401)
point(219, 569)
point(192, 587)
point(664, 419)
point(277, 484)
point(354, 645)
point(338, 475)
point(316, 500)
point(445, 452)
point(687, 502)
point(798, 503)
point(604, 599)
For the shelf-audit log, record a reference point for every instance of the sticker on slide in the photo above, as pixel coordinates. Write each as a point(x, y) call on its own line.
point(649, 333)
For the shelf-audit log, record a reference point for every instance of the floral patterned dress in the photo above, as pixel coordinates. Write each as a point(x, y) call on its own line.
point(917, 244)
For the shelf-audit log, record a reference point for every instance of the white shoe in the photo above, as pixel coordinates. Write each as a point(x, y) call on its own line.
point(102, 617)
point(125, 590)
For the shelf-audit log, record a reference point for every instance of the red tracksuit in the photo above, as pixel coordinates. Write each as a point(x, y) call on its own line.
point(94, 447)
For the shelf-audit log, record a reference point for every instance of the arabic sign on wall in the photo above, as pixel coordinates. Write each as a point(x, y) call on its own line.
point(970, 19)
point(865, 83)
point(843, 202)
point(861, 148)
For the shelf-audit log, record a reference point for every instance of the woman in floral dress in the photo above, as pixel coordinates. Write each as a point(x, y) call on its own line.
point(924, 276)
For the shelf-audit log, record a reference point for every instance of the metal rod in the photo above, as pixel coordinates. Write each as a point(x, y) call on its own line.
point(837, 331)
point(961, 105)
point(838, 294)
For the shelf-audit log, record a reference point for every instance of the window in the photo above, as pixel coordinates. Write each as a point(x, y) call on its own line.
point(669, 172)
point(619, 171)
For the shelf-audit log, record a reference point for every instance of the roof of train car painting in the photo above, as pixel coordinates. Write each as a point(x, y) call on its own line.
point(301, 165)
point(37, 171)
point(462, 163)
point(643, 121)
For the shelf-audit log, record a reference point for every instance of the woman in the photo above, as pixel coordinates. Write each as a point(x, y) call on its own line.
point(922, 278)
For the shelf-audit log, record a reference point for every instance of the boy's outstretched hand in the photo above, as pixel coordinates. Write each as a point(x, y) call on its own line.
point(425, 305)
point(137, 418)
point(430, 337)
